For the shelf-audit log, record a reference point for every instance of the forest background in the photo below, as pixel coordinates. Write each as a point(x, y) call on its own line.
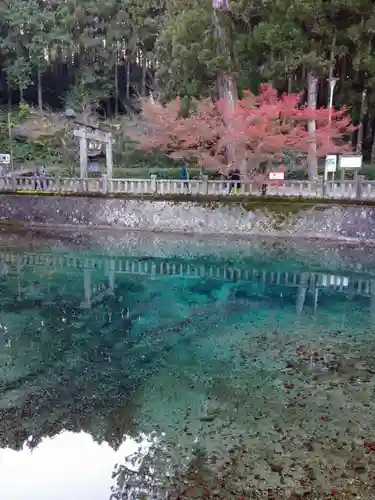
point(104, 56)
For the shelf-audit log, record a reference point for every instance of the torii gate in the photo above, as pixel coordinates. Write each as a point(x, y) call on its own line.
point(85, 134)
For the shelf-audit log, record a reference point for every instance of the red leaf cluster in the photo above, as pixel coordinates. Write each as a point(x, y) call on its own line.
point(261, 129)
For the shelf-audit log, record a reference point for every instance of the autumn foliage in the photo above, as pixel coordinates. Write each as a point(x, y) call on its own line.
point(261, 129)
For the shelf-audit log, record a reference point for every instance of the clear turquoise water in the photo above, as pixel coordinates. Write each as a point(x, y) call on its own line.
point(219, 372)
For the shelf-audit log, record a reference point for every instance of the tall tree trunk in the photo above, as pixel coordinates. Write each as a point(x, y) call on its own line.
point(362, 111)
point(116, 84)
point(343, 70)
point(40, 90)
point(21, 93)
point(82, 56)
point(9, 97)
point(10, 135)
point(70, 64)
point(312, 161)
point(361, 118)
point(144, 74)
point(331, 78)
point(289, 84)
point(369, 129)
point(226, 85)
point(373, 150)
point(128, 78)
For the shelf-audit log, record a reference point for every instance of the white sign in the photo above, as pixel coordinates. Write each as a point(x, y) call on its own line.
point(276, 176)
point(350, 162)
point(94, 145)
point(331, 163)
point(4, 158)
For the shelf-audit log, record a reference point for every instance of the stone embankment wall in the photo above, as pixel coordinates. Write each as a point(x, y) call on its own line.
point(279, 219)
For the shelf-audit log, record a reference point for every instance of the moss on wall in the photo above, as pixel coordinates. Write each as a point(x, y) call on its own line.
point(274, 204)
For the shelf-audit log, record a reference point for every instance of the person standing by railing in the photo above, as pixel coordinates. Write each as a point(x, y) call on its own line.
point(41, 178)
point(234, 180)
point(184, 174)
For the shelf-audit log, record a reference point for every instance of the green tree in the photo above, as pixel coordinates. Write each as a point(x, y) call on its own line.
point(14, 44)
point(188, 54)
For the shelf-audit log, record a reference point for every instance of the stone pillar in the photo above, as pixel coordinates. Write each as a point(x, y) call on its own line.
point(154, 186)
point(105, 184)
point(13, 180)
point(359, 185)
point(83, 156)
point(205, 184)
point(57, 185)
point(109, 157)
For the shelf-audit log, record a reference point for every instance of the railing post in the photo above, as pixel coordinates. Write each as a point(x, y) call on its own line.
point(320, 186)
point(154, 185)
point(324, 191)
point(57, 184)
point(105, 184)
point(205, 184)
point(359, 186)
point(83, 155)
point(13, 182)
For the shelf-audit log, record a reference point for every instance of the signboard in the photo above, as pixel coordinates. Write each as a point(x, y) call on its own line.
point(331, 163)
point(276, 176)
point(95, 145)
point(351, 162)
point(4, 158)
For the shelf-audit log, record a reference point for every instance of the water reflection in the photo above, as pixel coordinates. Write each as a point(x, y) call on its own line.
point(197, 353)
point(69, 465)
point(110, 267)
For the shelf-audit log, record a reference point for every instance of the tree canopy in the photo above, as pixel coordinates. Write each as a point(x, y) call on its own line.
point(109, 53)
point(262, 128)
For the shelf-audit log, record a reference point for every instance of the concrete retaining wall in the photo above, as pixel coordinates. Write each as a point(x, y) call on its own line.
point(320, 221)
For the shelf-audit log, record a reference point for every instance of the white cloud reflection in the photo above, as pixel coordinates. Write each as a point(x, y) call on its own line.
point(66, 467)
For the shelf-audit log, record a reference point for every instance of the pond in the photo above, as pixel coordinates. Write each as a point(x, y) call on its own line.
point(139, 367)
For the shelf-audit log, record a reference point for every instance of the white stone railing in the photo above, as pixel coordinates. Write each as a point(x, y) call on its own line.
point(358, 189)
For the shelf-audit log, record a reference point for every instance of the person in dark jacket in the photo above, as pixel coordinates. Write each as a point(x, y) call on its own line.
point(184, 175)
point(234, 178)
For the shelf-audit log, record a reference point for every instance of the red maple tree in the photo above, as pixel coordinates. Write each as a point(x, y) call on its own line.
point(261, 128)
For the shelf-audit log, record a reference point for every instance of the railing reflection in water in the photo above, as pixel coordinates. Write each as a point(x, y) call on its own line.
point(113, 267)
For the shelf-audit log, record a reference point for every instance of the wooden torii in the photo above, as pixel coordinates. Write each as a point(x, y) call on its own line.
point(85, 133)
